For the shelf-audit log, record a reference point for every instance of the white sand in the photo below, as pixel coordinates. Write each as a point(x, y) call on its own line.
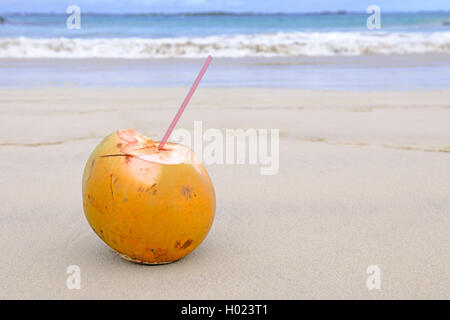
point(364, 180)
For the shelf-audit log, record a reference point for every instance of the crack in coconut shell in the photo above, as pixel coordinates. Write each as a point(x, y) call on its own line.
point(144, 148)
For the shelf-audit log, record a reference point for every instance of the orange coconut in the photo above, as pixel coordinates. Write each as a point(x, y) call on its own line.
point(151, 206)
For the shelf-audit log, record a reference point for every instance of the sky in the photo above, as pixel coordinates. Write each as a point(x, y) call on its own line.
point(172, 6)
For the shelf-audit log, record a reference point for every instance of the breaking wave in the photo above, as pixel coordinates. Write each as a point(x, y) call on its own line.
point(258, 45)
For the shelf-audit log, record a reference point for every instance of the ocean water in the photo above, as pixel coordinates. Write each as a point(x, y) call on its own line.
point(310, 51)
point(222, 35)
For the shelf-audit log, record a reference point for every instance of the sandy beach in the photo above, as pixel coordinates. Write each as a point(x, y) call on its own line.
point(364, 180)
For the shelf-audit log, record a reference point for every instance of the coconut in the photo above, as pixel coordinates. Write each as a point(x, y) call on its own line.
point(150, 205)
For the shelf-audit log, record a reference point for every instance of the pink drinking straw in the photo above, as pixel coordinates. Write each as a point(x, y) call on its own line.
point(185, 102)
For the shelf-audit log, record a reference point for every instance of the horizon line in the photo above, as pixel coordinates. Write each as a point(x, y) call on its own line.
point(221, 13)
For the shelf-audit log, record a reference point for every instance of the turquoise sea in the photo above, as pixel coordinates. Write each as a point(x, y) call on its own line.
point(201, 25)
point(318, 47)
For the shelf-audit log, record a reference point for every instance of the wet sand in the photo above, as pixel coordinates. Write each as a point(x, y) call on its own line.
point(361, 73)
point(364, 179)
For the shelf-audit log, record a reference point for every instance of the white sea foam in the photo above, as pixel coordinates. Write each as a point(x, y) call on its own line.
point(259, 45)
